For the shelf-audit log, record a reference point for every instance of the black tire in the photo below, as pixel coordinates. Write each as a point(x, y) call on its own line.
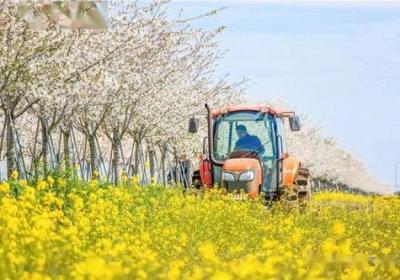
point(196, 180)
point(297, 195)
point(302, 183)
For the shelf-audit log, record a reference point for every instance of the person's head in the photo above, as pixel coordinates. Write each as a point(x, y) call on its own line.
point(241, 130)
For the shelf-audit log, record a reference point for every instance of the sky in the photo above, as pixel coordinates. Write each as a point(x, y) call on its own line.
point(338, 62)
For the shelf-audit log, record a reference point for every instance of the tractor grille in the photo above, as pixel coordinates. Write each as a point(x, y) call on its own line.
point(236, 186)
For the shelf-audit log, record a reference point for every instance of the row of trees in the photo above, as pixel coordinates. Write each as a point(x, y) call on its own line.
point(141, 78)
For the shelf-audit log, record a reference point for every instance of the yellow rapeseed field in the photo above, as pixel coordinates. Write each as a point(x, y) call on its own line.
point(58, 229)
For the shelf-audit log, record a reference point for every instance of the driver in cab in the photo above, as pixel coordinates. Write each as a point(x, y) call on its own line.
point(247, 141)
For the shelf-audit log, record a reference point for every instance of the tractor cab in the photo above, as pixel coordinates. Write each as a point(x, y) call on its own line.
point(246, 143)
point(246, 150)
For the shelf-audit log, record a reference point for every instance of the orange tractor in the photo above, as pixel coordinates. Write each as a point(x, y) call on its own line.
point(245, 151)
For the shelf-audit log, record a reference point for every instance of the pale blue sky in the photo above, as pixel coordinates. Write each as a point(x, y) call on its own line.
point(340, 63)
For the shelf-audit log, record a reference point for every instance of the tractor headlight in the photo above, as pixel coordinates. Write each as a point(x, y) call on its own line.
point(247, 176)
point(228, 176)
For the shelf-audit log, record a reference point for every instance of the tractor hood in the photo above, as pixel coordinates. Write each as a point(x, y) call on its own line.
point(242, 174)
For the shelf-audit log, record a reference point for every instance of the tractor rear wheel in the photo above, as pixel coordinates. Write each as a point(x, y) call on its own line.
point(303, 187)
point(298, 194)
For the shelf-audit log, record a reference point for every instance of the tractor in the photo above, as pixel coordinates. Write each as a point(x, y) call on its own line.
point(245, 152)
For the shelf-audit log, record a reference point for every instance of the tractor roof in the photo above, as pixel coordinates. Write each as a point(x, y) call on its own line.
point(256, 108)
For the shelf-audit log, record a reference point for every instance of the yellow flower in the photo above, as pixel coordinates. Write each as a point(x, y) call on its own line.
point(14, 175)
point(34, 276)
point(30, 193)
point(338, 228)
point(96, 174)
point(124, 177)
point(208, 252)
point(355, 274)
point(135, 180)
point(296, 236)
point(269, 244)
point(375, 245)
point(345, 248)
point(23, 182)
point(175, 270)
point(386, 250)
point(328, 247)
point(4, 187)
point(50, 180)
point(235, 249)
point(221, 275)
point(94, 268)
point(61, 182)
point(41, 185)
point(93, 184)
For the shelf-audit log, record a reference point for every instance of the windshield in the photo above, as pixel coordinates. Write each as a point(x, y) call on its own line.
point(244, 131)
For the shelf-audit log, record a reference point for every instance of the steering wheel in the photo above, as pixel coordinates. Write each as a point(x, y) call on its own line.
point(257, 150)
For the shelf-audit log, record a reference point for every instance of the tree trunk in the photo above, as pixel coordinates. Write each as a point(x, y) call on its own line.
point(178, 172)
point(45, 146)
point(67, 152)
point(152, 155)
point(93, 154)
point(136, 159)
point(10, 151)
point(130, 165)
point(115, 162)
point(163, 165)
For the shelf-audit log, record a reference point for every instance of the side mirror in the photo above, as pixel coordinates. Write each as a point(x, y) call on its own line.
point(284, 156)
point(194, 124)
point(294, 123)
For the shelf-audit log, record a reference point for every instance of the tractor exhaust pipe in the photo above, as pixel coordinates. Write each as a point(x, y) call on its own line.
point(211, 138)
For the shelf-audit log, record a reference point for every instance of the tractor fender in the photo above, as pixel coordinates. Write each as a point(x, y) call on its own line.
point(290, 168)
point(205, 173)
